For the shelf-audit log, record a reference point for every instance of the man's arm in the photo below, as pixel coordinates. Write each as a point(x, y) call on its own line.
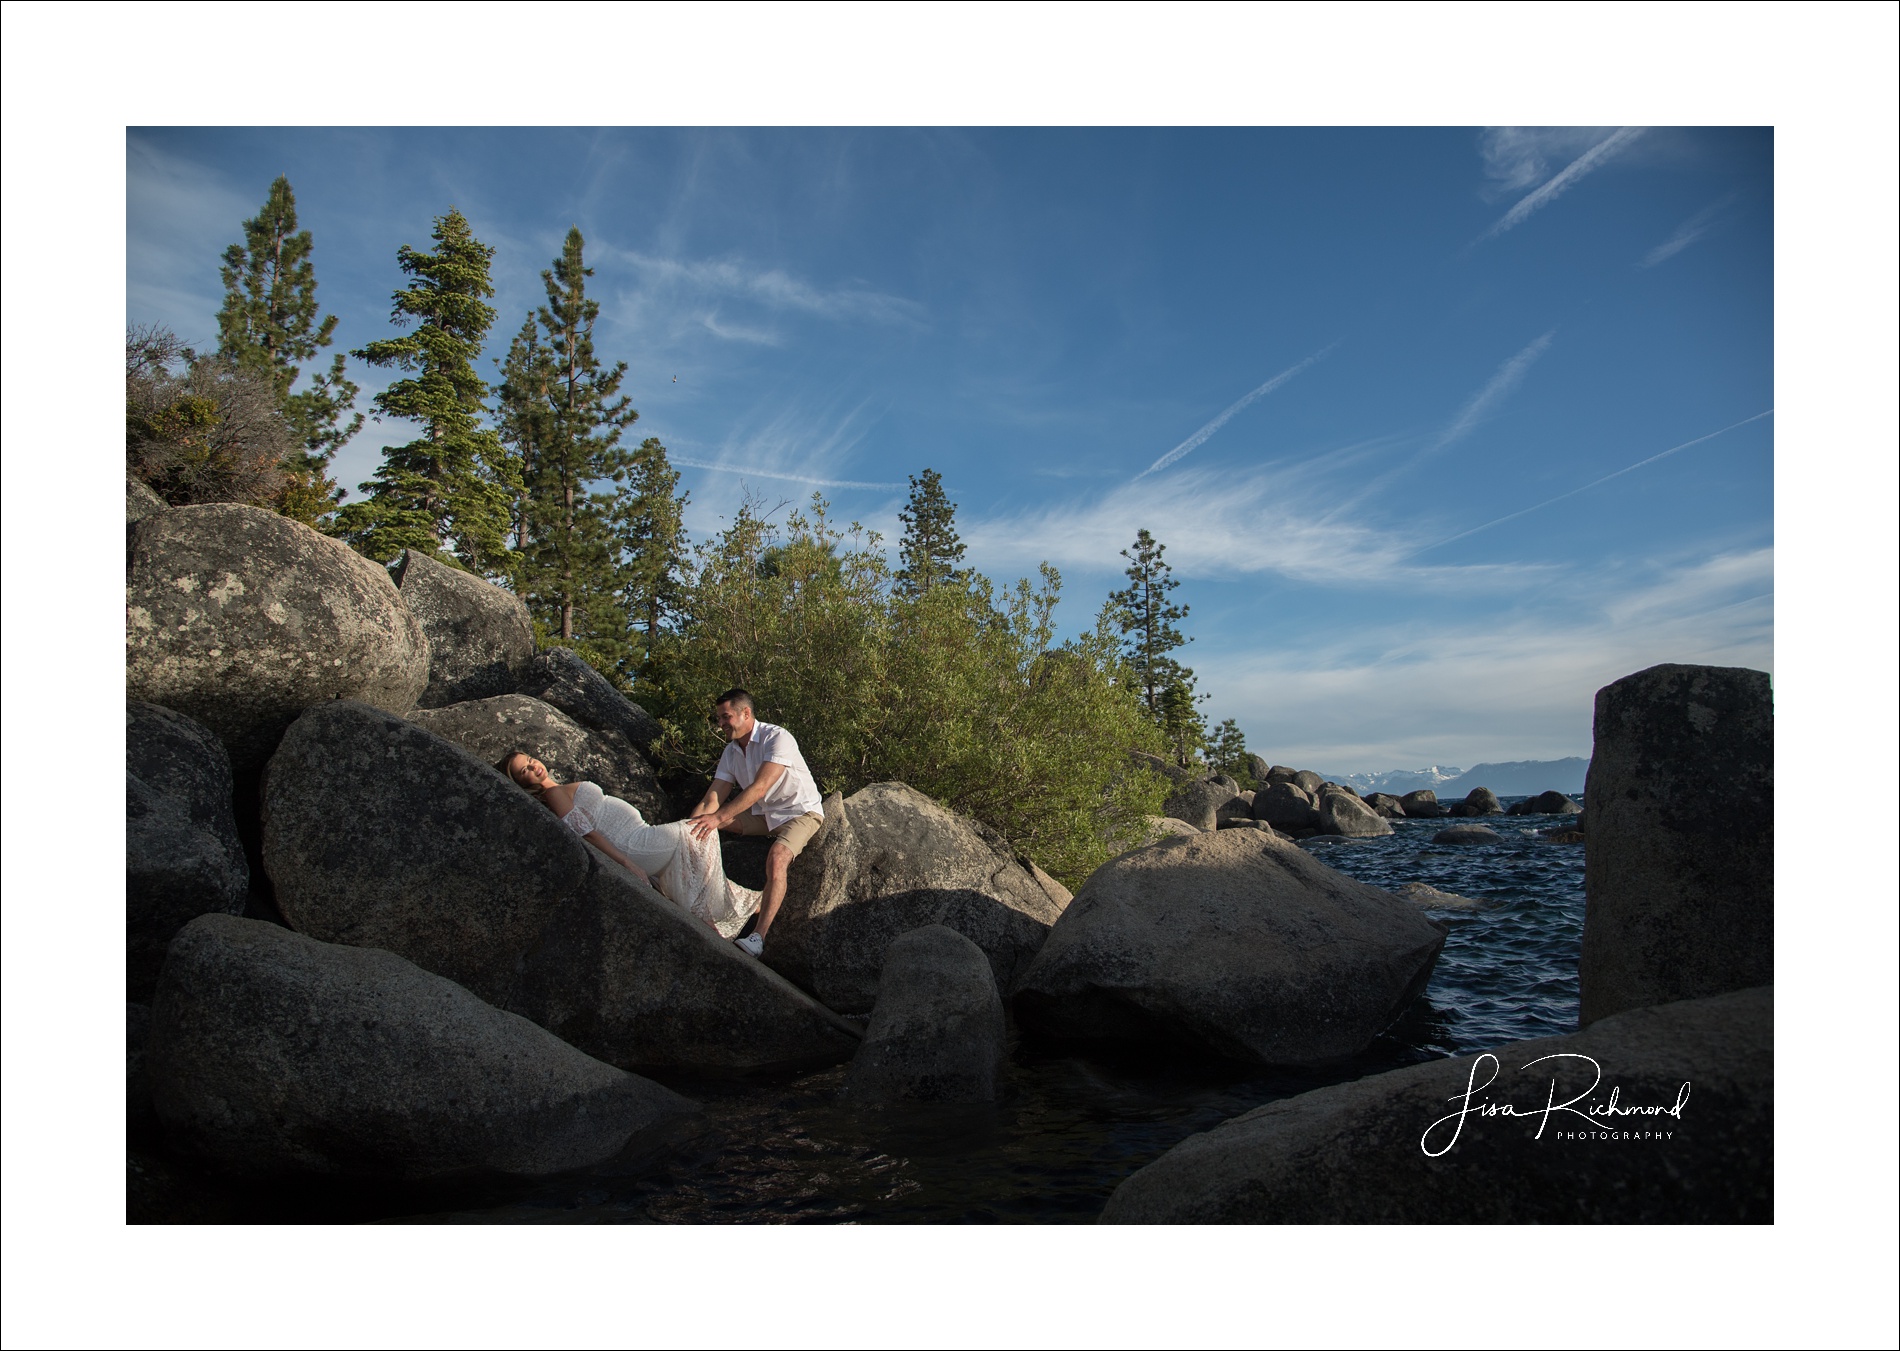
point(719, 817)
point(715, 795)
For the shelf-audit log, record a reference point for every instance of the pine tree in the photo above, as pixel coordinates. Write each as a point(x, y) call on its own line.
point(1227, 752)
point(563, 414)
point(1147, 621)
point(452, 487)
point(930, 550)
point(650, 525)
point(268, 326)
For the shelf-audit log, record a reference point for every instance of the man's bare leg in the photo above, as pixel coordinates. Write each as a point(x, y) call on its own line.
point(778, 862)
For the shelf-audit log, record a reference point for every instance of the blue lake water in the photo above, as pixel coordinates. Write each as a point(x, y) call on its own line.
point(786, 1150)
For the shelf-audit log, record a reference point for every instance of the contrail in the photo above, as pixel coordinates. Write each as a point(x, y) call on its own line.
point(1597, 483)
point(1201, 436)
point(1557, 186)
point(793, 478)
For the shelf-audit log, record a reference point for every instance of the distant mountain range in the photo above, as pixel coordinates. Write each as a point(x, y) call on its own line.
point(1508, 778)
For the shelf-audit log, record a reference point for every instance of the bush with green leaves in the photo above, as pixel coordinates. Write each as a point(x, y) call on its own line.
point(956, 689)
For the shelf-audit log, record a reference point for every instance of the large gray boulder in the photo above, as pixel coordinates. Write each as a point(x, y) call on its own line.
point(241, 619)
point(936, 1032)
point(1279, 774)
point(378, 833)
point(182, 855)
point(273, 1053)
point(1422, 804)
point(1308, 782)
point(1237, 810)
point(140, 1119)
point(1679, 875)
point(1345, 814)
point(561, 678)
point(1237, 943)
point(1258, 770)
point(1386, 805)
point(491, 728)
point(1393, 1148)
point(480, 637)
point(889, 860)
point(1198, 802)
point(1285, 806)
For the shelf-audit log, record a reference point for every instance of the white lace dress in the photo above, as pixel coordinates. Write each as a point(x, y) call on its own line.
point(685, 870)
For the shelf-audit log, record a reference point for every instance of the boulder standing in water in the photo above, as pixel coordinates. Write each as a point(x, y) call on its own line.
point(1285, 806)
point(936, 1033)
point(241, 619)
point(889, 860)
point(274, 1053)
point(1679, 873)
point(1236, 943)
point(490, 728)
point(1479, 802)
point(480, 640)
point(1422, 804)
point(378, 833)
point(182, 855)
point(1392, 1148)
point(1552, 803)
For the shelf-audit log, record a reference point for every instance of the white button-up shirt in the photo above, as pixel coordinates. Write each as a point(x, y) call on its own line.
point(795, 793)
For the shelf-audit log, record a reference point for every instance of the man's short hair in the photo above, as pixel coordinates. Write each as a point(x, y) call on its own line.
point(737, 698)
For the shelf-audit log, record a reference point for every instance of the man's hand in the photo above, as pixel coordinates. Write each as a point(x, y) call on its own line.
point(708, 824)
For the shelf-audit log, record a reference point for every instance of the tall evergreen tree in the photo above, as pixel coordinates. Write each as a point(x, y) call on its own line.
point(452, 487)
point(268, 326)
point(562, 412)
point(652, 533)
point(1147, 620)
point(930, 551)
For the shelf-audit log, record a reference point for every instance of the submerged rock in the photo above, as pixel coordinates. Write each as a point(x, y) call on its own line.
point(273, 1053)
point(241, 619)
point(889, 860)
point(480, 639)
point(936, 1032)
point(378, 833)
point(182, 854)
point(1431, 897)
point(490, 728)
point(1392, 1149)
point(1467, 835)
point(1679, 877)
point(1235, 943)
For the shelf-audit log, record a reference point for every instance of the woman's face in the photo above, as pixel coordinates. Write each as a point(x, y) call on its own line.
point(529, 772)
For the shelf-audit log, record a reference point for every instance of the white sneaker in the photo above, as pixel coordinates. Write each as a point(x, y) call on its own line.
point(752, 945)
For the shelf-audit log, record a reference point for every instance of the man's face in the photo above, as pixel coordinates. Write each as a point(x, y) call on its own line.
point(734, 721)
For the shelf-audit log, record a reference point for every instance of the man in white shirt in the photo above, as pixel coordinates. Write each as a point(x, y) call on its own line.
point(776, 796)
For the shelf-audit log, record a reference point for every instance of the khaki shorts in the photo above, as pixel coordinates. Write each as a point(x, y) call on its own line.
point(794, 834)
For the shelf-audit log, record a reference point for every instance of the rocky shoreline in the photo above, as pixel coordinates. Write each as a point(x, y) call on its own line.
point(356, 951)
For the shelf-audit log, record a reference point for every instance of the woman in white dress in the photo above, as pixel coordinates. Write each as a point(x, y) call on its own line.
point(687, 871)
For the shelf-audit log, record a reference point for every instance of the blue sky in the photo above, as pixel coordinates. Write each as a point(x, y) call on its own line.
point(1374, 389)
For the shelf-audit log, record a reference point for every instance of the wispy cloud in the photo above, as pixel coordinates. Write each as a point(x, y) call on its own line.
point(1219, 524)
point(771, 288)
point(752, 471)
point(1686, 233)
point(1220, 420)
point(1597, 482)
point(1506, 378)
point(1519, 158)
point(1501, 688)
point(1590, 160)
